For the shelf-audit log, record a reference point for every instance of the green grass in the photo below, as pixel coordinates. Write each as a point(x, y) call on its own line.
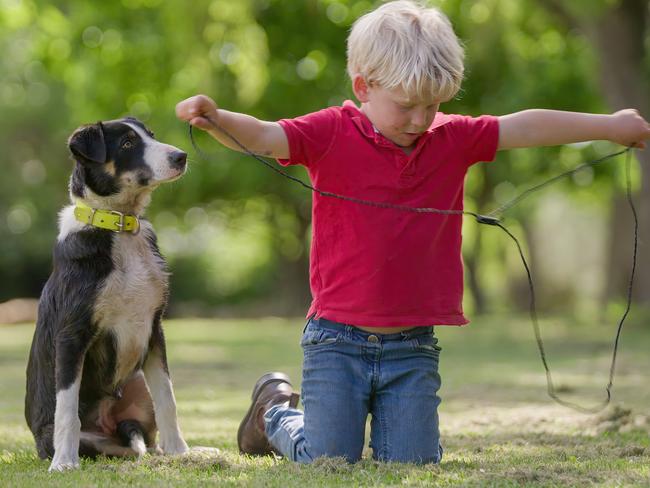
point(499, 428)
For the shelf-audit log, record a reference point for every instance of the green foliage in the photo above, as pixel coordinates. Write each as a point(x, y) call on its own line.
point(71, 62)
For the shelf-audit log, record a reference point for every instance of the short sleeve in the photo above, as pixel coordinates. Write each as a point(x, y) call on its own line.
point(310, 136)
point(477, 136)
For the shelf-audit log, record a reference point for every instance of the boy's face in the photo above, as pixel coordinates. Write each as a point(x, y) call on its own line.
point(399, 117)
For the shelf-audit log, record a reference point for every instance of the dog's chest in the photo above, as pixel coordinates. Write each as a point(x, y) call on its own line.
point(129, 298)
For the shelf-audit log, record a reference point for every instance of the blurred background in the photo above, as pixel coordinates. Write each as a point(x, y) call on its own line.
point(235, 234)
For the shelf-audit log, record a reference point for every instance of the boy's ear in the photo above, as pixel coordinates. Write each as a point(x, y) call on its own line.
point(87, 142)
point(360, 88)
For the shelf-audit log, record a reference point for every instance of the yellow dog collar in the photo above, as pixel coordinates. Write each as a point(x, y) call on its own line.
point(107, 219)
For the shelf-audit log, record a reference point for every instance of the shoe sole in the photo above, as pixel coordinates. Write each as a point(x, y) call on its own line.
point(266, 379)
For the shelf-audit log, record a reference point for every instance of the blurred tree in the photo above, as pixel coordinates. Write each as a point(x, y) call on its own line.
point(618, 32)
point(234, 232)
point(518, 57)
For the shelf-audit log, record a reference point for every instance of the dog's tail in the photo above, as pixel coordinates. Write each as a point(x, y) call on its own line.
point(133, 442)
point(132, 434)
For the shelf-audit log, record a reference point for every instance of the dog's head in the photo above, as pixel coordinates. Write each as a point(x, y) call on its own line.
point(121, 158)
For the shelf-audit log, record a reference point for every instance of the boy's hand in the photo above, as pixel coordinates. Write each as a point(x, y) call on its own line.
point(629, 128)
point(198, 110)
point(237, 131)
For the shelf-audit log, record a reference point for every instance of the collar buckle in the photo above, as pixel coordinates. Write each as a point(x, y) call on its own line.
point(120, 224)
point(123, 223)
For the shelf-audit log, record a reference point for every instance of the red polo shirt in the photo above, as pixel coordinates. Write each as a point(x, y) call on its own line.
point(385, 267)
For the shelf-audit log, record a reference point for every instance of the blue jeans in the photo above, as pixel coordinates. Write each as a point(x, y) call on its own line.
point(349, 373)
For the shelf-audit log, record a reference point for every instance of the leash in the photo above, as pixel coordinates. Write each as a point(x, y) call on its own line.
point(493, 219)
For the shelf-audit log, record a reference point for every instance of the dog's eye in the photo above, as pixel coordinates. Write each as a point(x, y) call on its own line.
point(127, 144)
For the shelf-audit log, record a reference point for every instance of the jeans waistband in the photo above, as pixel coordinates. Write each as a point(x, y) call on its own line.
point(351, 329)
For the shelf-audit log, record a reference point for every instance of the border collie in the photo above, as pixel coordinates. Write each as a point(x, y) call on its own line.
point(97, 378)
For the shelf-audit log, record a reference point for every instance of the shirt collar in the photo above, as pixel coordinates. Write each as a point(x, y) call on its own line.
point(366, 127)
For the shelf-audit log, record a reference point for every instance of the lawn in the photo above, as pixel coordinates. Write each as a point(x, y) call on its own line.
point(498, 425)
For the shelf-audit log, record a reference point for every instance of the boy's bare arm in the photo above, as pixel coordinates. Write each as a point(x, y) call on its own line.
point(259, 136)
point(531, 128)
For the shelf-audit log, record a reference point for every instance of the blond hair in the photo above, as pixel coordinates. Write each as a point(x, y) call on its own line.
point(405, 44)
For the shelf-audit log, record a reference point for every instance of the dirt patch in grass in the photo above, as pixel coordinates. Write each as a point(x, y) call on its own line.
point(536, 418)
point(196, 459)
point(619, 419)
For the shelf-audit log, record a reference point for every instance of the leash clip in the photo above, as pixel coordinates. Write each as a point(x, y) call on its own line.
point(486, 219)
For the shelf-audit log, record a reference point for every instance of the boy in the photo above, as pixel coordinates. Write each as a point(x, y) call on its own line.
point(381, 278)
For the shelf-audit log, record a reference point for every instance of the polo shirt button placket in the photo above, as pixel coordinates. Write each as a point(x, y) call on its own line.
point(408, 172)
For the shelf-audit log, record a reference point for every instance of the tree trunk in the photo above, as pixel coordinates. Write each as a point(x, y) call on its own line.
point(471, 260)
point(619, 37)
point(518, 286)
point(292, 295)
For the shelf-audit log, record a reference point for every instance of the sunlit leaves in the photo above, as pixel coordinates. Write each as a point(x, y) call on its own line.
point(70, 62)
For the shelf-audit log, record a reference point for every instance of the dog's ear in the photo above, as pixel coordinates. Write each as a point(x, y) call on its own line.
point(88, 142)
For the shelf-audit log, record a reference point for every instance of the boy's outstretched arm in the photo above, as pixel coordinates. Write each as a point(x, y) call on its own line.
point(536, 127)
point(261, 137)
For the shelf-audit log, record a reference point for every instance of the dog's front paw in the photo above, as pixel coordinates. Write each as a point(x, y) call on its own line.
point(155, 450)
point(62, 465)
point(174, 446)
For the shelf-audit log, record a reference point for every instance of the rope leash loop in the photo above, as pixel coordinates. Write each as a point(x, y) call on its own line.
point(491, 219)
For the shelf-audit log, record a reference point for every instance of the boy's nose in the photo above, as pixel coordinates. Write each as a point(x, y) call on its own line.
point(419, 120)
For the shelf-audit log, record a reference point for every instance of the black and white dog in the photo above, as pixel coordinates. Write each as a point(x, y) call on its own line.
point(97, 378)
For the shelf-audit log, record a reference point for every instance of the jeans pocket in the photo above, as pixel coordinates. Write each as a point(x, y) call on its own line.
point(315, 336)
point(427, 343)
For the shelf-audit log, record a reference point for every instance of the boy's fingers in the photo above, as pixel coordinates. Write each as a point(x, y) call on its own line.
point(201, 123)
point(185, 113)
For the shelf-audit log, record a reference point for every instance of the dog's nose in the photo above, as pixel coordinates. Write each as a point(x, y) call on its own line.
point(178, 159)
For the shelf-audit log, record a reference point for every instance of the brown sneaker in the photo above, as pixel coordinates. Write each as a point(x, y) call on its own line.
point(271, 389)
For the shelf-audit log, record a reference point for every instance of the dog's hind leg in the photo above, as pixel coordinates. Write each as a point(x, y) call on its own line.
point(136, 408)
point(93, 444)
